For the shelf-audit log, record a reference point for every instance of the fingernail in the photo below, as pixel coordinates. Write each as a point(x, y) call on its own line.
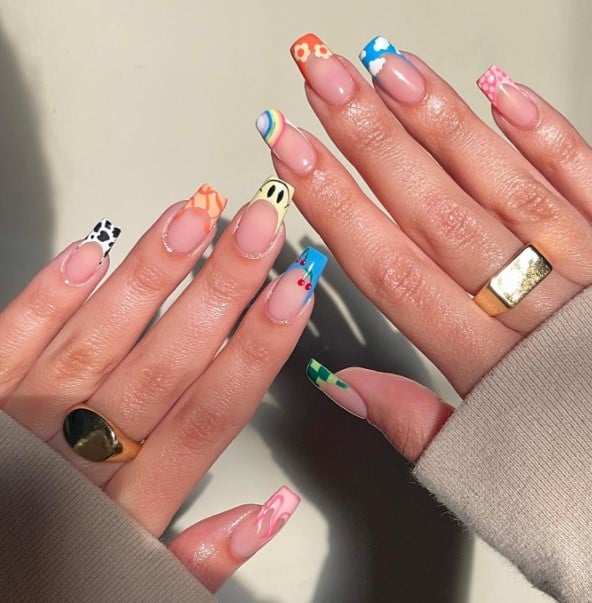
point(295, 287)
point(336, 389)
point(263, 217)
point(286, 141)
point(510, 100)
point(325, 73)
point(395, 74)
point(89, 254)
point(191, 225)
point(256, 530)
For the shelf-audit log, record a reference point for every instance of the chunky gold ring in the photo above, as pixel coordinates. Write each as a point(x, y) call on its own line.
point(508, 287)
point(94, 438)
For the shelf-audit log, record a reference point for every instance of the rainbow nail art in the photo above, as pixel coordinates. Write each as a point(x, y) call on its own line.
point(306, 47)
point(491, 79)
point(372, 55)
point(312, 263)
point(207, 202)
point(271, 124)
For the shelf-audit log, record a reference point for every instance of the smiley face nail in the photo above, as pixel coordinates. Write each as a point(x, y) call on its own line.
point(259, 225)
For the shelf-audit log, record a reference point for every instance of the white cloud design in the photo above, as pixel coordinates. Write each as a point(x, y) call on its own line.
point(381, 44)
point(362, 55)
point(376, 65)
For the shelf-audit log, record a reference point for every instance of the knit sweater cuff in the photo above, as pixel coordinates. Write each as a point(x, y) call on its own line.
point(514, 462)
point(63, 539)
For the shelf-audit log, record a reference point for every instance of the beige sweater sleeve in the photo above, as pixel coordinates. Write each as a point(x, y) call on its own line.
point(63, 539)
point(515, 460)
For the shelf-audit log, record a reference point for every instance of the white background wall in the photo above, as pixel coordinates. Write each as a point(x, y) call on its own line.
point(119, 108)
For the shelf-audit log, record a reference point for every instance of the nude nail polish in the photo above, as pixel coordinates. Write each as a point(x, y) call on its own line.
point(192, 224)
point(508, 98)
point(336, 389)
point(323, 71)
point(262, 218)
point(86, 258)
point(286, 141)
point(393, 72)
point(257, 529)
point(296, 286)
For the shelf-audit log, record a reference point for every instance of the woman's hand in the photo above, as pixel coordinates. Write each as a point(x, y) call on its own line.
point(178, 387)
point(463, 202)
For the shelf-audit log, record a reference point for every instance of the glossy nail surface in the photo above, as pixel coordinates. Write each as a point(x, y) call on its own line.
point(286, 141)
point(191, 225)
point(394, 73)
point(255, 530)
point(263, 217)
point(336, 389)
point(296, 286)
point(89, 254)
point(325, 73)
point(505, 95)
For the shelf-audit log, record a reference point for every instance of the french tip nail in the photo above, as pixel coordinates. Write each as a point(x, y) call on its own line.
point(270, 124)
point(490, 79)
point(372, 53)
point(105, 233)
point(336, 389)
point(319, 374)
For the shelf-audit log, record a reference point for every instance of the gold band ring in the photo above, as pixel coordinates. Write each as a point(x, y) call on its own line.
point(508, 287)
point(94, 438)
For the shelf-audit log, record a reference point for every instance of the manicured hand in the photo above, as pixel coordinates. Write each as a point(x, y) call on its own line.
point(183, 388)
point(460, 203)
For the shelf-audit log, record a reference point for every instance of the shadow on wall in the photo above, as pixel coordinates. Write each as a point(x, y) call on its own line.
point(26, 218)
point(388, 539)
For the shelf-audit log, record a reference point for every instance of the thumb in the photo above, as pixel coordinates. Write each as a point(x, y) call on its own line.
point(407, 413)
point(213, 549)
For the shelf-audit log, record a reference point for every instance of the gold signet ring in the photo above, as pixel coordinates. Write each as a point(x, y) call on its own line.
point(508, 287)
point(94, 438)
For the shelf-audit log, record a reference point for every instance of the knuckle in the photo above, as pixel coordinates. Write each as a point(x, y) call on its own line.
point(203, 424)
point(79, 361)
point(367, 133)
point(400, 278)
point(41, 305)
point(528, 201)
point(447, 222)
point(222, 286)
point(447, 121)
point(147, 279)
point(253, 353)
point(563, 148)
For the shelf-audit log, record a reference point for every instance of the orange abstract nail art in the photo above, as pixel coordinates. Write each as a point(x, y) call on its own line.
point(307, 46)
point(207, 201)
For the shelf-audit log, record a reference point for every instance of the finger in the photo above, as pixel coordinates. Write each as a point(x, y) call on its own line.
point(182, 344)
point(33, 318)
point(213, 549)
point(543, 136)
point(97, 337)
point(214, 409)
point(483, 164)
point(408, 414)
point(467, 241)
point(406, 285)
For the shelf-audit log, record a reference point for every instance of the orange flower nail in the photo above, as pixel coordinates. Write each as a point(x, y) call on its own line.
point(307, 45)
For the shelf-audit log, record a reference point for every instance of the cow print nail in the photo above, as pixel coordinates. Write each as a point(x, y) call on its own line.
point(105, 234)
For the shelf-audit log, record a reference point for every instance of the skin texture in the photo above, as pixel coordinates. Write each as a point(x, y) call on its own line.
point(464, 202)
point(173, 387)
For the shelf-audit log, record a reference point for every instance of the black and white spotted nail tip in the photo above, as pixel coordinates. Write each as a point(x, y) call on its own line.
point(105, 234)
